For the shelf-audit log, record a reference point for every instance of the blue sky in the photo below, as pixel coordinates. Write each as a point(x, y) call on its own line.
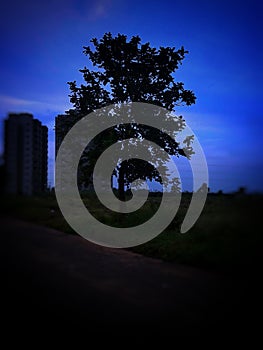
point(41, 49)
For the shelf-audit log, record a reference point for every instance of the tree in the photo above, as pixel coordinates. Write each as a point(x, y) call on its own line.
point(129, 71)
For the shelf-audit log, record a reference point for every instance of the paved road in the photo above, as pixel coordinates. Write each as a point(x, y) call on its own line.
point(51, 278)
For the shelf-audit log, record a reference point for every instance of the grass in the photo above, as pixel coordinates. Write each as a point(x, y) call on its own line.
point(225, 237)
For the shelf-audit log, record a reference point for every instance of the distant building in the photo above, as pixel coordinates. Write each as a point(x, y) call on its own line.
point(25, 155)
point(63, 124)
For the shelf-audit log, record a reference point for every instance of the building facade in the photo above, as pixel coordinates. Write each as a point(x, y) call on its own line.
point(63, 124)
point(26, 152)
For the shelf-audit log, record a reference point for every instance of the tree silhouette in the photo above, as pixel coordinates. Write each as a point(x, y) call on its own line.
point(129, 71)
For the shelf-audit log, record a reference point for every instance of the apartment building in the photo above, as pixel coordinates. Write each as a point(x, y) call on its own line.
point(25, 154)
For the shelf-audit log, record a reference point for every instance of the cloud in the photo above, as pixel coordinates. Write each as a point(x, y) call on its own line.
point(204, 121)
point(16, 104)
point(13, 101)
point(98, 9)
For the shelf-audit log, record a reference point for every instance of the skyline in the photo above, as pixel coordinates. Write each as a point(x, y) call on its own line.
point(42, 50)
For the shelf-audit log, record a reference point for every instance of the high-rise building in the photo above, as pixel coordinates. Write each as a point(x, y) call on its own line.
point(26, 148)
point(63, 124)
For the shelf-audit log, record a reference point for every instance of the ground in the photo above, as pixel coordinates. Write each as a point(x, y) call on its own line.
point(53, 279)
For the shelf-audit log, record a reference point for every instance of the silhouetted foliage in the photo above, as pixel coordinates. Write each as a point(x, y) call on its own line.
point(129, 71)
point(2, 178)
point(241, 190)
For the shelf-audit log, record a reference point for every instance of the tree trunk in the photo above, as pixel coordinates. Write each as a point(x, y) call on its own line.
point(121, 192)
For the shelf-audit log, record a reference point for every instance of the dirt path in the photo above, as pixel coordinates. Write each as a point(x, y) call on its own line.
point(58, 279)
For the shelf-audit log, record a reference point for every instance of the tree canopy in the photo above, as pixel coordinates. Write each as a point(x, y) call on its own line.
point(129, 71)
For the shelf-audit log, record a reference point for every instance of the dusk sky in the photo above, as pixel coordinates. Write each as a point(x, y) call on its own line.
point(41, 49)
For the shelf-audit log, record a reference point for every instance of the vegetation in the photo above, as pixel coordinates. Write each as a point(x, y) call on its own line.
point(226, 236)
point(129, 71)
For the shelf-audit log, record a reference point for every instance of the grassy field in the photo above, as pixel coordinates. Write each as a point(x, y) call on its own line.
point(226, 237)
